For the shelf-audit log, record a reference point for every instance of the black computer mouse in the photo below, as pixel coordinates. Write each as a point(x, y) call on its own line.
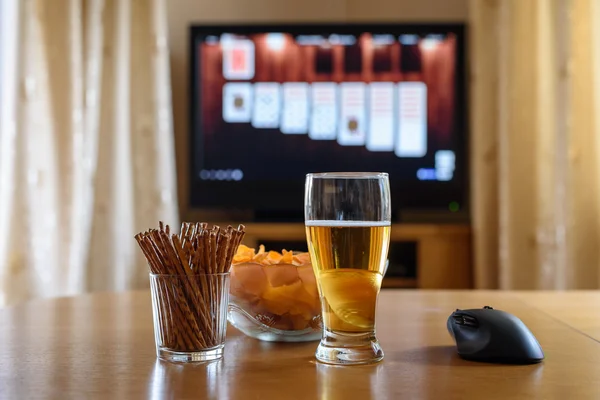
point(494, 336)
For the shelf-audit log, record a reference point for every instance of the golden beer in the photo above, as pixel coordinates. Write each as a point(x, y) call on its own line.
point(348, 260)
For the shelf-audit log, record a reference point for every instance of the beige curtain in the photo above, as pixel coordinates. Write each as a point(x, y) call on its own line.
point(86, 151)
point(535, 151)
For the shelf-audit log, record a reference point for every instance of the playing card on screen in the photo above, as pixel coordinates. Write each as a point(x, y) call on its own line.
point(381, 117)
point(412, 120)
point(237, 102)
point(324, 111)
point(353, 121)
point(238, 58)
point(267, 105)
point(294, 119)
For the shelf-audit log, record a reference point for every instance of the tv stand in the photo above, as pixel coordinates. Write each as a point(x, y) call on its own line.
point(443, 251)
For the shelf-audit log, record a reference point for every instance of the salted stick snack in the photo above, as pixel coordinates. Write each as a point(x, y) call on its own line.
point(189, 277)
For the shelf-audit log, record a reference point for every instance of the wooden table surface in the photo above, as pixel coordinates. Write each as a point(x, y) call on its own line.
point(102, 346)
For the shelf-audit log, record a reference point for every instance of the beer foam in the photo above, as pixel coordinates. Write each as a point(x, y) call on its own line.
point(351, 224)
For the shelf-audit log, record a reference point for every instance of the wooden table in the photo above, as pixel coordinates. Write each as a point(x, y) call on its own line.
point(102, 346)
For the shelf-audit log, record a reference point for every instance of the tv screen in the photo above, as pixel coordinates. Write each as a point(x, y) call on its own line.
point(270, 104)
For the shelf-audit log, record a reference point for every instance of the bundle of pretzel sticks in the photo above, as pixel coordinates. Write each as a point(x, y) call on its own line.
point(187, 281)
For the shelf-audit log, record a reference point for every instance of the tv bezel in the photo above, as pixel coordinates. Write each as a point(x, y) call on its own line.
point(286, 199)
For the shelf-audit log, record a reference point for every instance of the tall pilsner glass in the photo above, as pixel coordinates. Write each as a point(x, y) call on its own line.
point(347, 217)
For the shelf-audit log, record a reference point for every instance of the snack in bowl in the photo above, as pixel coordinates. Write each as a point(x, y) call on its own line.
point(274, 295)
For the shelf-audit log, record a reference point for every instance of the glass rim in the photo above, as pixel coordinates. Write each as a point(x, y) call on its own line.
point(188, 276)
point(348, 175)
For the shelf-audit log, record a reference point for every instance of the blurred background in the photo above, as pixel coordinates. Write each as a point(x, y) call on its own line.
point(100, 136)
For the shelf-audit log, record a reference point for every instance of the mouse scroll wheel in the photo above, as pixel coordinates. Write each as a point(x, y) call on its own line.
point(465, 320)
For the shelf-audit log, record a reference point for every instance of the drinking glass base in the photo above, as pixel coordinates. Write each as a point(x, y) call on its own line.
point(349, 349)
point(212, 354)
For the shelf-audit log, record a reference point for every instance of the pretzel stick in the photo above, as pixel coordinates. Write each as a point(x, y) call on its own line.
point(213, 252)
point(205, 244)
point(191, 233)
point(171, 338)
point(194, 267)
point(180, 297)
point(199, 300)
point(166, 331)
point(231, 249)
point(186, 303)
point(191, 290)
point(238, 236)
point(222, 243)
point(205, 251)
point(188, 249)
point(192, 248)
point(171, 318)
point(178, 339)
point(153, 263)
point(176, 269)
point(200, 257)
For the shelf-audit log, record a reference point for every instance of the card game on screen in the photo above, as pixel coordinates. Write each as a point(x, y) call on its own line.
point(275, 105)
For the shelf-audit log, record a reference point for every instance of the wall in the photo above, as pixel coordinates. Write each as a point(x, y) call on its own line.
point(182, 13)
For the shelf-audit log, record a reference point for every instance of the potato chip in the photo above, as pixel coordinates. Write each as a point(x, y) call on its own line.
point(273, 257)
point(281, 275)
point(301, 259)
point(260, 258)
point(251, 277)
point(246, 254)
point(288, 257)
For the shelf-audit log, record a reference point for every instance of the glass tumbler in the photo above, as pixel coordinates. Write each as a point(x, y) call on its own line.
point(190, 316)
point(348, 219)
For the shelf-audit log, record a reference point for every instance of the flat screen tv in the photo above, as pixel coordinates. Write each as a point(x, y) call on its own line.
point(269, 104)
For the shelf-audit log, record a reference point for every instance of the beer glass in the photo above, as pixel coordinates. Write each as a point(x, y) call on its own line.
point(347, 218)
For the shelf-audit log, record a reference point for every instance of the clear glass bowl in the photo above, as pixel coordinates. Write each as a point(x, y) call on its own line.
point(277, 303)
